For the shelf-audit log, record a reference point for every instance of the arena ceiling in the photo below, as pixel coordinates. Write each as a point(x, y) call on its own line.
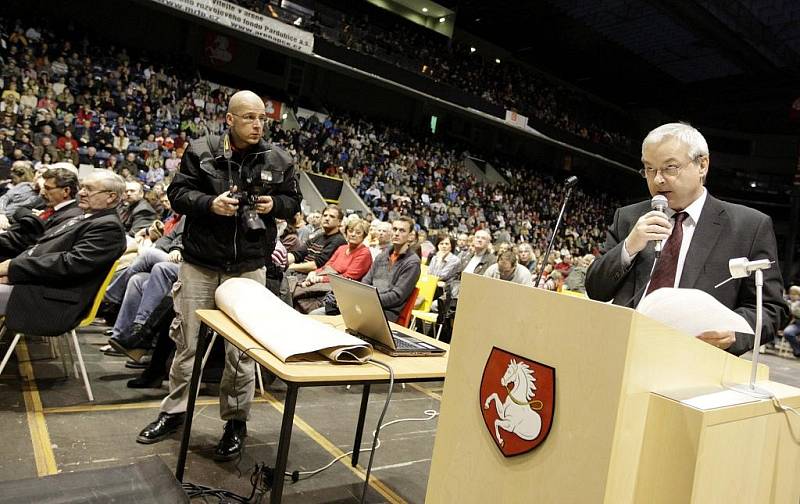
point(736, 60)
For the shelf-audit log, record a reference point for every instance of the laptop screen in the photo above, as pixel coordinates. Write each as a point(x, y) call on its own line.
point(361, 310)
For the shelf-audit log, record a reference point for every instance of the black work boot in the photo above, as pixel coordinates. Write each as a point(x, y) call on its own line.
point(232, 440)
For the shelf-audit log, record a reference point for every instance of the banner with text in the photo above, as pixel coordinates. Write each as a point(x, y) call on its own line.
point(245, 21)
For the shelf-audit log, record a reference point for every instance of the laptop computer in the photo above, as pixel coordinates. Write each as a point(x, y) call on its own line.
point(363, 315)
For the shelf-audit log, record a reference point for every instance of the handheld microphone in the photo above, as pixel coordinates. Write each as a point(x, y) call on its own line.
point(659, 202)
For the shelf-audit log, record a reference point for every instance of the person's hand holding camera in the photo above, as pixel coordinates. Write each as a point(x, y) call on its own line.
point(225, 205)
point(264, 204)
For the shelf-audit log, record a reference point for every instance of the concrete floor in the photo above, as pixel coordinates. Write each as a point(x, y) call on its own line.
point(75, 435)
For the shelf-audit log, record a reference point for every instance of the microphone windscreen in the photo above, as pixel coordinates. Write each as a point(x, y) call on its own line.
point(659, 202)
point(571, 181)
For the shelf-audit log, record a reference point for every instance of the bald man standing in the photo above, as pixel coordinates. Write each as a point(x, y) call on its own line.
point(220, 244)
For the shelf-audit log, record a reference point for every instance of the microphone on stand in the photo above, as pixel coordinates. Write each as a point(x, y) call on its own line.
point(659, 202)
point(568, 184)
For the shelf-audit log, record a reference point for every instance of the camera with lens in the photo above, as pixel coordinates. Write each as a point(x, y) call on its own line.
point(252, 223)
point(253, 185)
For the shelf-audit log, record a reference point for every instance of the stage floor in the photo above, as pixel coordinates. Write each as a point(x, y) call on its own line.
point(52, 413)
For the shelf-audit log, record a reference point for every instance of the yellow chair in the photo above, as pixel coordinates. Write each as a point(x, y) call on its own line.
point(88, 319)
point(573, 293)
point(427, 288)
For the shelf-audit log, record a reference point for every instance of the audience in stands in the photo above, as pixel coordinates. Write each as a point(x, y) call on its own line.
point(351, 260)
point(510, 84)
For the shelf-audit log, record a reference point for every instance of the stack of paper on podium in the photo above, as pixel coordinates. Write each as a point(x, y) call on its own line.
point(691, 311)
point(286, 333)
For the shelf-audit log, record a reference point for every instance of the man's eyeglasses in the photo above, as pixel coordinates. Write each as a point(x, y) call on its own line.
point(251, 118)
point(668, 171)
point(89, 192)
point(51, 188)
point(672, 170)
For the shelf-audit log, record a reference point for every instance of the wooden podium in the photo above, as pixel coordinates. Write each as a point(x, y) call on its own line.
point(620, 431)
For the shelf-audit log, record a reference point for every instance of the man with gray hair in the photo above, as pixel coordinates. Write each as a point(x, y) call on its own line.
point(384, 237)
point(699, 234)
point(48, 288)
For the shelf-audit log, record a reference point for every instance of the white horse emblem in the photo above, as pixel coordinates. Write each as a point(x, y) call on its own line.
point(518, 414)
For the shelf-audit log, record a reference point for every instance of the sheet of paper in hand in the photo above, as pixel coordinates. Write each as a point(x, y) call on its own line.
point(691, 311)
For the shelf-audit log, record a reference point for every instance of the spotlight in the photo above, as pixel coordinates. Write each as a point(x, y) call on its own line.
point(424, 9)
point(472, 49)
point(497, 60)
point(441, 20)
point(753, 184)
point(298, 21)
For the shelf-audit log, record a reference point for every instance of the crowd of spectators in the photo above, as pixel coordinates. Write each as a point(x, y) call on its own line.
point(509, 84)
point(396, 173)
point(65, 100)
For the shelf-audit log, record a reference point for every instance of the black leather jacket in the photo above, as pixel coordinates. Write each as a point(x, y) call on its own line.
point(218, 242)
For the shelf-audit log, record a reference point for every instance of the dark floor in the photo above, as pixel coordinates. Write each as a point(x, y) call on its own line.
point(53, 412)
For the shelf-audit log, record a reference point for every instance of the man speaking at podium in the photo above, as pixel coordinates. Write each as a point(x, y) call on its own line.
point(707, 233)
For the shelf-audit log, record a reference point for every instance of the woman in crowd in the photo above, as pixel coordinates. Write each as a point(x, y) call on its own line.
point(121, 141)
point(155, 170)
point(351, 260)
point(21, 192)
point(444, 263)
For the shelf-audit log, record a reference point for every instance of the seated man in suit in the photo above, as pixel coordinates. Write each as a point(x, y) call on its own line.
point(59, 190)
point(49, 287)
point(137, 213)
point(702, 233)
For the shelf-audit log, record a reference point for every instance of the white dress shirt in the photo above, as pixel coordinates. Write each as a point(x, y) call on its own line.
point(689, 225)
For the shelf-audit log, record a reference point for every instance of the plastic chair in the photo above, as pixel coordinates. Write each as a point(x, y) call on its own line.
point(405, 314)
point(427, 288)
point(573, 293)
point(88, 319)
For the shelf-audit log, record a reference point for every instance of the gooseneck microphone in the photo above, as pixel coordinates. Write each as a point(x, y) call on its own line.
point(568, 185)
point(659, 202)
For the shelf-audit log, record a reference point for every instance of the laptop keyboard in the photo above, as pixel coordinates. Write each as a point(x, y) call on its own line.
point(403, 344)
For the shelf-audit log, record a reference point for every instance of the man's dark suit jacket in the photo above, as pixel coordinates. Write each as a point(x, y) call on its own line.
point(55, 281)
point(725, 231)
point(28, 228)
point(138, 216)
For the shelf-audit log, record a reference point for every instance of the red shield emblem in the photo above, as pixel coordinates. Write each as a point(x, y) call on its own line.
point(517, 401)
